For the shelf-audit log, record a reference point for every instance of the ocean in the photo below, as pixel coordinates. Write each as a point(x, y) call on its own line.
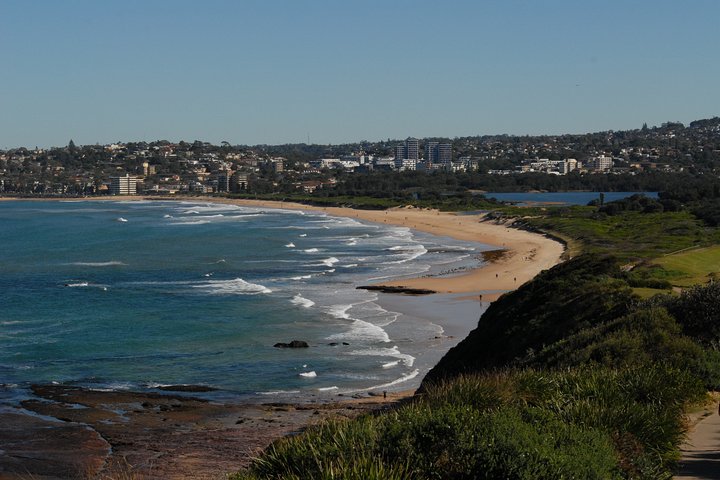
point(139, 295)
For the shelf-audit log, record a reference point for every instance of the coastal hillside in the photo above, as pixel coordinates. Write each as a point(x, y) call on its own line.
point(571, 376)
point(558, 303)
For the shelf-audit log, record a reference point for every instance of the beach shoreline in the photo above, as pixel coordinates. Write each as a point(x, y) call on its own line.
point(156, 435)
point(525, 254)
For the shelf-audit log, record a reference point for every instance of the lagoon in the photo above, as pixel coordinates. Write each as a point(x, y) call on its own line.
point(561, 198)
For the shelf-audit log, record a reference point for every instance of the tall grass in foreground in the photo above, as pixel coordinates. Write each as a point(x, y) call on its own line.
point(522, 424)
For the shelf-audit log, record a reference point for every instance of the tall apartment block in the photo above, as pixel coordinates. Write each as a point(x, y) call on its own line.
point(438, 153)
point(126, 185)
point(410, 150)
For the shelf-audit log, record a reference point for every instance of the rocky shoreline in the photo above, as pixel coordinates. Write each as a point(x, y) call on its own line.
point(71, 432)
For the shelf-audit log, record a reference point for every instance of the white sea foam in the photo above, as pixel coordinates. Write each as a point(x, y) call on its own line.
point(351, 265)
point(301, 277)
point(411, 253)
point(327, 389)
point(236, 286)
point(329, 262)
point(79, 284)
point(290, 245)
point(391, 364)
point(302, 301)
point(121, 219)
point(279, 392)
point(339, 311)
point(191, 222)
point(311, 374)
point(112, 263)
point(311, 250)
point(167, 215)
point(360, 330)
point(407, 360)
point(402, 379)
point(303, 235)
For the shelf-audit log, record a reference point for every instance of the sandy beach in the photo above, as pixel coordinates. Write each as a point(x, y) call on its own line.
point(171, 436)
point(525, 253)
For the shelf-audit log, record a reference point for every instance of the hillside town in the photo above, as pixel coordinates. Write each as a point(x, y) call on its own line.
point(163, 167)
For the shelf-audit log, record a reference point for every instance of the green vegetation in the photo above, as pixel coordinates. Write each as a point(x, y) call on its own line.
point(630, 235)
point(692, 267)
point(570, 376)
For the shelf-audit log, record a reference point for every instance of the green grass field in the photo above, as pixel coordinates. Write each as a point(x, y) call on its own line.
point(691, 267)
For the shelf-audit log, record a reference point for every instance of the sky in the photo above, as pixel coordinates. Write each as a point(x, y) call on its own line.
point(336, 71)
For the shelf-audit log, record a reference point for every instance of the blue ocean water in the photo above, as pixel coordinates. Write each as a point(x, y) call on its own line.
point(136, 295)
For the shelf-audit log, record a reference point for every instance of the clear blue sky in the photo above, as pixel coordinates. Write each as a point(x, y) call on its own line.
point(278, 71)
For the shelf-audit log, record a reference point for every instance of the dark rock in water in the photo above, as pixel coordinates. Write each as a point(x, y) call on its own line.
point(335, 344)
point(187, 388)
point(346, 343)
point(293, 344)
point(398, 289)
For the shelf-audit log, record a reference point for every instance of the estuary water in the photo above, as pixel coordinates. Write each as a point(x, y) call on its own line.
point(137, 295)
point(563, 198)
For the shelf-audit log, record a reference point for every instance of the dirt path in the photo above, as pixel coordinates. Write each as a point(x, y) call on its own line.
point(701, 451)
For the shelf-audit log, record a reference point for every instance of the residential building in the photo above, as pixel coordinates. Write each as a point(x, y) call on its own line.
point(431, 152)
point(410, 150)
point(126, 185)
point(438, 153)
point(602, 163)
point(223, 180)
point(239, 182)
